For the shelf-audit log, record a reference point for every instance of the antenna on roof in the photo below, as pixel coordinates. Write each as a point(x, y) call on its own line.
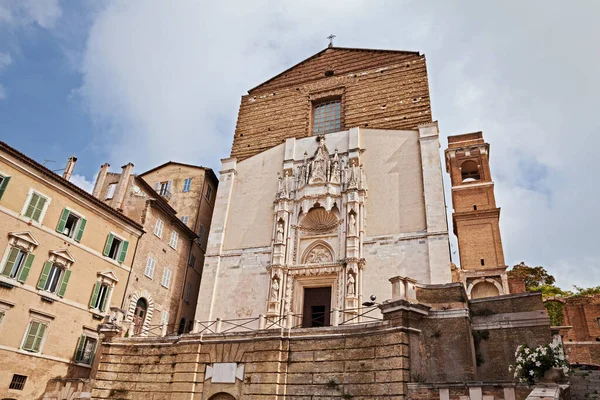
point(331, 37)
point(47, 161)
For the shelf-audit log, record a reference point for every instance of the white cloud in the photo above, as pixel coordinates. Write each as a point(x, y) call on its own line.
point(163, 81)
point(82, 182)
point(5, 60)
point(20, 13)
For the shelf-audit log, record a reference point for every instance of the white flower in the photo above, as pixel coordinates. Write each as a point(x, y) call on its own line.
point(519, 359)
point(526, 350)
point(531, 372)
point(537, 363)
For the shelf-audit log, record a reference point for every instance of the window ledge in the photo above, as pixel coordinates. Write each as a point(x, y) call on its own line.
point(47, 299)
point(7, 284)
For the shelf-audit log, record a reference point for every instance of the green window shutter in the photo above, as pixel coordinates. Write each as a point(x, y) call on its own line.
point(79, 349)
point(38, 337)
point(44, 275)
point(24, 273)
point(62, 221)
point(3, 185)
point(64, 282)
point(95, 295)
point(105, 300)
point(109, 241)
point(124, 248)
point(31, 333)
point(32, 203)
point(82, 224)
point(10, 261)
point(38, 209)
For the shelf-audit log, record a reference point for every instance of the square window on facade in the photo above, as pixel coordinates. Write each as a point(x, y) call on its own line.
point(327, 117)
point(158, 228)
point(150, 266)
point(17, 382)
point(36, 207)
point(185, 219)
point(201, 232)
point(15, 262)
point(86, 349)
point(34, 337)
point(3, 184)
point(164, 318)
point(116, 248)
point(53, 279)
point(208, 192)
point(192, 260)
point(187, 184)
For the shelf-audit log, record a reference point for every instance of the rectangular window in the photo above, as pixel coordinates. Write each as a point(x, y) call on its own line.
point(17, 382)
point(36, 207)
point(164, 189)
point(187, 184)
point(174, 239)
point(185, 219)
point(34, 337)
point(208, 192)
point(116, 248)
point(110, 191)
point(192, 260)
point(100, 296)
point(164, 318)
point(3, 184)
point(200, 232)
point(71, 225)
point(188, 290)
point(86, 349)
point(158, 228)
point(327, 117)
point(17, 265)
point(53, 279)
point(150, 265)
point(1, 317)
point(166, 278)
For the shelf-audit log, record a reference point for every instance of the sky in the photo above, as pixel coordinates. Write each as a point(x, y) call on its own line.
point(149, 81)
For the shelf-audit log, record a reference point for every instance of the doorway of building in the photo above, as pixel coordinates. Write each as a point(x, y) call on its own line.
point(317, 307)
point(139, 316)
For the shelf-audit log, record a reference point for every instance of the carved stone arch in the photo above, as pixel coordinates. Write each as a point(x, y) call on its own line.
point(133, 302)
point(221, 396)
point(318, 252)
point(484, 281)
point(319, 220)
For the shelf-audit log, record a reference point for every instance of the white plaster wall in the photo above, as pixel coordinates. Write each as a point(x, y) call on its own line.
point(392, 164)
point(250, 221)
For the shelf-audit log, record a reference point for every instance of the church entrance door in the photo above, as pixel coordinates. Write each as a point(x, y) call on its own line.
point(317, 307)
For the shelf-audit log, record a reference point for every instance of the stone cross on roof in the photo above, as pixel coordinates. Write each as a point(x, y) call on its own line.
point(331, 37)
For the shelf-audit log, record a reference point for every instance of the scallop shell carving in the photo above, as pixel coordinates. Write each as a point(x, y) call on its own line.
point(319, 220)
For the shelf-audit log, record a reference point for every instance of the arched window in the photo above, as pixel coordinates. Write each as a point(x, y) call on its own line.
point(469, 171)
point(222, 396)
point(139, 315)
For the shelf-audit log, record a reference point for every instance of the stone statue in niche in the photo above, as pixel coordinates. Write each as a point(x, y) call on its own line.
point(279, 236)
point(335, 168)
point(351, 224)
point(274, 290)
point(319, 255)
point(350, 285)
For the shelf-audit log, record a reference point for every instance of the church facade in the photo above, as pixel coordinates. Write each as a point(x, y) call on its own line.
point(319, 207)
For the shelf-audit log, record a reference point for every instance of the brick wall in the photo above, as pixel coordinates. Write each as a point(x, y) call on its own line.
point(382, 90)
point(338, 363)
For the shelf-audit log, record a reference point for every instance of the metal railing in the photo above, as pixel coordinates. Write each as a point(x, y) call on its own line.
point(262, 322)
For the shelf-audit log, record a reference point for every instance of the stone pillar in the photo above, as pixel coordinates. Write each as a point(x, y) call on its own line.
point(121, 189)
point(212, 262)
point(435, 205)
point(100, 180)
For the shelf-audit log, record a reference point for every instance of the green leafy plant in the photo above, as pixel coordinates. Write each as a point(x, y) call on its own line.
point(532, 363)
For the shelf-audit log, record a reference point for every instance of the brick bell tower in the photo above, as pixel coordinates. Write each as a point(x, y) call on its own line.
point(476, 217)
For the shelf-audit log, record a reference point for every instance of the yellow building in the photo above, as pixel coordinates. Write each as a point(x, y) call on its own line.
point(65, 260)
